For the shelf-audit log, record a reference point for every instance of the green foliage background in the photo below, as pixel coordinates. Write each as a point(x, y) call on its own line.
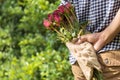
point(27, 50)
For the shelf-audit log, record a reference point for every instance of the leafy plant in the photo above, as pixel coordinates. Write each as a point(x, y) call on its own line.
point(27, 50)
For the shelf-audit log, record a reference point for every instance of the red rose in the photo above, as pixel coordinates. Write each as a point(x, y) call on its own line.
point(47, 23)
point(64, 9)
point(50, 17)
point(61, 9)
point(57, 17)
point(56, 12)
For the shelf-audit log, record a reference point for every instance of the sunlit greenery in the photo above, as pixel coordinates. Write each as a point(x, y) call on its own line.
point(27, 50)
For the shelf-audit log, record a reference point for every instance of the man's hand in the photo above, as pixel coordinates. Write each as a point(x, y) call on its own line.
point(98, 40)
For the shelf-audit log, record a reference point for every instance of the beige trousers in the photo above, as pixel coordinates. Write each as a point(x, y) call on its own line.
point(110, 62)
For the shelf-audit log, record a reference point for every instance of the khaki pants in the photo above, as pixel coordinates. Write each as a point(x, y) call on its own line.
point(110, 62)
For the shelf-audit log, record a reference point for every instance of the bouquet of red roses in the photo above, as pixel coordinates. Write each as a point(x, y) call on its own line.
point(65, 23)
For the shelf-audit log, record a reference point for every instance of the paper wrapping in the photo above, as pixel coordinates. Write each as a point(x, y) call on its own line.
point(86, 57)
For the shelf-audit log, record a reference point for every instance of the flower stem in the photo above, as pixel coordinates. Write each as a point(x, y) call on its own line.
point(74, 15)
point(69, 21)
point(59, 33)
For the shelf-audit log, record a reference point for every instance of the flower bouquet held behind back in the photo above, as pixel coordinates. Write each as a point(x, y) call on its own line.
point(64, 22)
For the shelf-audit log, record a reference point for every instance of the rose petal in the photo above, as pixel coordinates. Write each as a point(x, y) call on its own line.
point(50, 17)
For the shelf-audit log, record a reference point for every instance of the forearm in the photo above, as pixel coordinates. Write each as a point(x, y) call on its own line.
point(114, 26)
point(109, 33)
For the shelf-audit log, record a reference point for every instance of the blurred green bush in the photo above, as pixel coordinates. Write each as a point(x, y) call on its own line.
point(27, 50)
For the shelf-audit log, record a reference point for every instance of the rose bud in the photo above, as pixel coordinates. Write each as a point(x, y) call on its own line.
point(47, 24)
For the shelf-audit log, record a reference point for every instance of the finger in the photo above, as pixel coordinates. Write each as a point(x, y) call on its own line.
point(83, 38)
point(92, 38)
point(79, 41)
point(87, 38)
